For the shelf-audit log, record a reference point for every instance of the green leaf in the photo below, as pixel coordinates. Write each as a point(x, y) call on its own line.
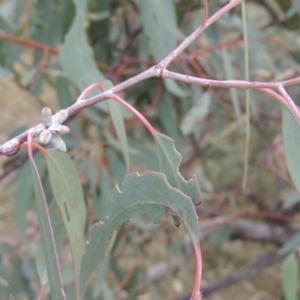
point(142, 154)
point(3, 282)
point(58, 226)
point(196, 114)
point(28, 77)
point(148, 194)
point(289, 277)
point(220, 235)
point(76, 55)
point(160, 26)
point(174, 88)
point(292, 200)
point(169, 162)
point(119, 124)
point(291, 244)
point(103, 203)
point(41, 265)
point(116, 165)
point(167, 114)
point(59, 235)
point(69, 197)
point(48, 242)
point(293, 9)
point(24, 194)
point(291, 142)
point(100, 281)
point(63, 92)
point(6, 73)
point(23, 199)
point(292, 21)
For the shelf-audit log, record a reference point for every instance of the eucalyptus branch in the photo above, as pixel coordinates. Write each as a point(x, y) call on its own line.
point(12, 146)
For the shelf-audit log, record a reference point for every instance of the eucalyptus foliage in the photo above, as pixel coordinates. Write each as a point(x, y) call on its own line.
point(135, 171)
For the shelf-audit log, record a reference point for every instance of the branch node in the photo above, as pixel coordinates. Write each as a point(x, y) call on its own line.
point(159, 70)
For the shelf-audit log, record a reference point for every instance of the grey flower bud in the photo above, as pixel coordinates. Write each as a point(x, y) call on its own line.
point(58, 143)
point(45, 137)
point(59, 129)
point(46, 116)
point(60, 117)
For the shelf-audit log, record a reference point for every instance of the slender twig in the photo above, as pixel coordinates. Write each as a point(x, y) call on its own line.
point(14, 166)
point(123, 52)
point(246, 62)
point(188, 40)
point(12, 147)
point(37, 45)
point(205, 16)
point(242, 84)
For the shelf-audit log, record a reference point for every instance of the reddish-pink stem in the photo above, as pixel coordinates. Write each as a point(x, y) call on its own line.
point(41, 291)
point(290, 103)
point(121, 101)
point(135, 112)
point(274, 95)
point(91, 88)
point(196, 295)
point(37, 146)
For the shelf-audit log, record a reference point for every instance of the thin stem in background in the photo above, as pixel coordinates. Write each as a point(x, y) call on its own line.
point(246, 61)
point(205, 16)
point(123, 52)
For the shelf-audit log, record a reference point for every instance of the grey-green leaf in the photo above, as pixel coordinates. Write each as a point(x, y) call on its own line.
point(196, 114)
point(23, 199)
point(149, 194)
point(291, 244)
point(76, 55)
point(169, 162)
point(48, 243)
point(160, 26)
point(41, 265)
point(291, 142)
point(289, 277)
point(220, 235)
point(69, 197)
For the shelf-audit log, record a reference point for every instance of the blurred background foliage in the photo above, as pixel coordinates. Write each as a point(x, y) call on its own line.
point(51, 50)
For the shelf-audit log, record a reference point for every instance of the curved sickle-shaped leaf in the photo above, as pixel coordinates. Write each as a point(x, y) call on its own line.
point(47, 238)
point(69, 197)
point(169, 162)
point(148, 194)
point(291, 142)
